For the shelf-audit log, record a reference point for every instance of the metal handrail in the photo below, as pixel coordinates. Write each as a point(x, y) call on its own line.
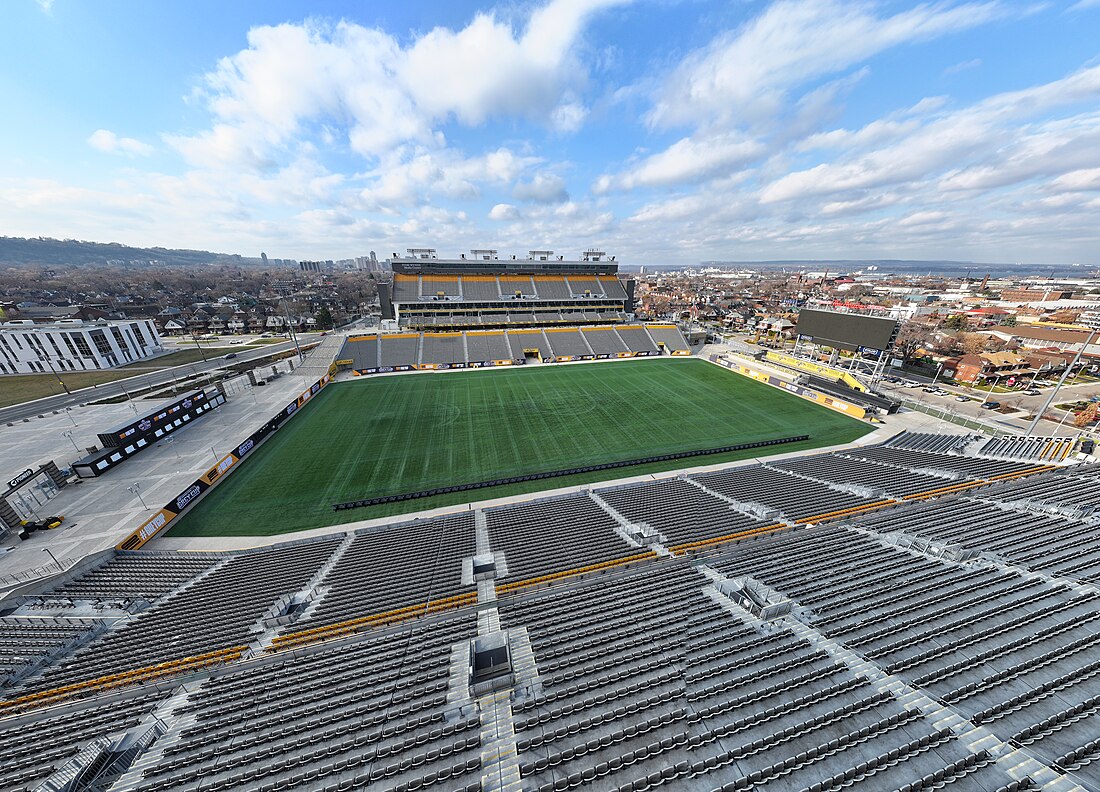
point(35, 573)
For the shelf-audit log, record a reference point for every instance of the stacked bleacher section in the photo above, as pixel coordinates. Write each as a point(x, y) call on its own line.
point(850, 620)
point(483, 291)
point(1040, 449)
point(467, 313)
point(388, 352)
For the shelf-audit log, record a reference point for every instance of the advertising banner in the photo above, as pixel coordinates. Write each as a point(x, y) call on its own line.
point(798, 390)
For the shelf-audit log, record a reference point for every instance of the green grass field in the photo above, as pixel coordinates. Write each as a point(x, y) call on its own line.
point(388, 435)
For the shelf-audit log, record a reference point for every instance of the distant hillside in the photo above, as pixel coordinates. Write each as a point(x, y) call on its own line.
point(61, 253)
point(975, 269)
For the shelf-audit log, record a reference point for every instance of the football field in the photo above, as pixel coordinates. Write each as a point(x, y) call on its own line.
point(391, 435)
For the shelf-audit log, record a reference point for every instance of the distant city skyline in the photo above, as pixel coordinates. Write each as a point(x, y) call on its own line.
point(663, 131)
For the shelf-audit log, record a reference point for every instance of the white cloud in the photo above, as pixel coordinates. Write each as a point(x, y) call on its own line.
point(503, 211)
point(45, 5)
point(1077, 181)
point(685, 161)
point(543, 188)
point(962, 66)
point(746, 74)
point(1081, 5)
point(387, 94)
point(107, 141)
point(968, 146)
point(411, 176)
point(569, 116)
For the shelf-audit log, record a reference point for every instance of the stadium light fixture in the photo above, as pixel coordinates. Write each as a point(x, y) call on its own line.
point(69, 434)
point(1050, 399)
point(135, 489)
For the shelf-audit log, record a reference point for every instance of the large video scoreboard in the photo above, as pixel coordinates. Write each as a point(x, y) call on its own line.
point(850, 332)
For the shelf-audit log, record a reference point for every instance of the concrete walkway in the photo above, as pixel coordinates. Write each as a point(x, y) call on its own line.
point(100, 512)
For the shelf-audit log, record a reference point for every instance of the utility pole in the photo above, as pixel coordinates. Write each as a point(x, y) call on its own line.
point(290, 328)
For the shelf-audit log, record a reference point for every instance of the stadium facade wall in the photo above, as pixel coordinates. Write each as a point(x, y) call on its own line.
point(215, 475)
point(809, 394)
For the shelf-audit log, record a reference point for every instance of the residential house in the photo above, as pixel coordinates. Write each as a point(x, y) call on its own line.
point(986, 366)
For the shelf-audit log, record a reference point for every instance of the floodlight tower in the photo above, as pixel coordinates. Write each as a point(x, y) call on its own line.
point(1050, 399)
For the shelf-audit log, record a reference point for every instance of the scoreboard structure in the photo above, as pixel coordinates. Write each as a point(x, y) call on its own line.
point(871, 335)
point(869, 338)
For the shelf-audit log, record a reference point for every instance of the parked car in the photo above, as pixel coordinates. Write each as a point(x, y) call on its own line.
point(1033, 392)
point(962, 398)
point(990, 405)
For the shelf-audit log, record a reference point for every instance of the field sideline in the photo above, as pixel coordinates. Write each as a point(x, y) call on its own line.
point(390, 435)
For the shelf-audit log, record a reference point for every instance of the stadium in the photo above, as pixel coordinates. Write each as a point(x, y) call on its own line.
point(515, 539)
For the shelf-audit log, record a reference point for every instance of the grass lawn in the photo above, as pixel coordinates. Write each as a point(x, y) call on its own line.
point(177, 358)
point(20, 388)
point(389, 435)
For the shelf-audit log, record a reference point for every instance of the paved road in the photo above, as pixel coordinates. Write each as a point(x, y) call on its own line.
point(971, 408)
point(17, 412)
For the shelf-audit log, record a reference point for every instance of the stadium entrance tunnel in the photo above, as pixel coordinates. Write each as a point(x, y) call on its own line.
point(490, 663)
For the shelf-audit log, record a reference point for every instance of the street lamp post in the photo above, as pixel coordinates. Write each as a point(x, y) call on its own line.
point(991, 387)
point(49, 362)
point(135, 489)
point(290, 327)
point(69, 434)
point(52, 556)
point(198, 346)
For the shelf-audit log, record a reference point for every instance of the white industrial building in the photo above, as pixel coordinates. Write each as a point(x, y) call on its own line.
point(75, 345)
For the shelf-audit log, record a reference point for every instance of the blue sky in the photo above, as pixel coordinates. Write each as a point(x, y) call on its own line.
point(666, 131)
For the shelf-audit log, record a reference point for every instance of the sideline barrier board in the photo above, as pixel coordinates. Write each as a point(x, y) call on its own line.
point(155, 524)
point(798, 390)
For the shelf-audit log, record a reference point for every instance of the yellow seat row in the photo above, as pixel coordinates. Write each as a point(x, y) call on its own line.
point(846, 512)
point(110, 681)
point(505, 587)
point(350, 626)
point(703, 543)
point(1022, 473)
point(945, 490)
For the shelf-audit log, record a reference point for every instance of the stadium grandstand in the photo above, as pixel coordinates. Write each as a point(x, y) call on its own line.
point(480, 310)
point(903, 616)
point(481, 291)
point(383, 352)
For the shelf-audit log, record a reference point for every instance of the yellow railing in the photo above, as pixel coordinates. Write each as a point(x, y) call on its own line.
point(704, 543)
point(350, 626)
point(847, 512)
point(99, 684)
point(536, 581)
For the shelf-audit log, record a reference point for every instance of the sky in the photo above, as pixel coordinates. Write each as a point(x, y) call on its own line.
point(662, 131)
